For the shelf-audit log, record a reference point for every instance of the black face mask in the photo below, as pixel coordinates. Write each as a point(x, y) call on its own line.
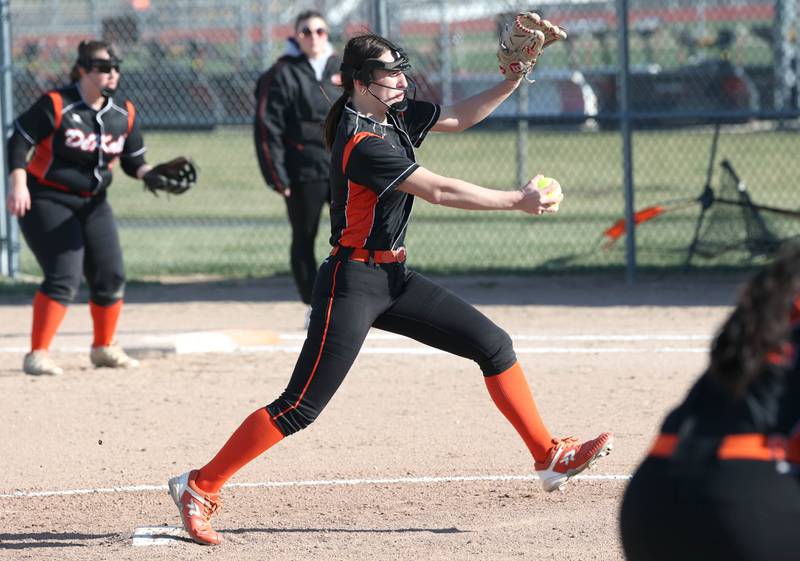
point(366, 72)
point(410, 92)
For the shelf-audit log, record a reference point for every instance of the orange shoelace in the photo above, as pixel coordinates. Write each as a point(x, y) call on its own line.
point(210, 507)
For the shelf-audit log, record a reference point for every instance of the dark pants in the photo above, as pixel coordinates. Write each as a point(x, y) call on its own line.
point(304, 207)
point(725, 510)
point(72, 236)
point(349, 298)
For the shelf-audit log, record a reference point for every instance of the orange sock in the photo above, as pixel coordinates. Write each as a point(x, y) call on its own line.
point(105, 320)
point(511, 394)
point(254, 436)
point(47, 316)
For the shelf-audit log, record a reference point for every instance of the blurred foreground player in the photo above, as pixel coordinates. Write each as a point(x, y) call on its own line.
point(721, 481)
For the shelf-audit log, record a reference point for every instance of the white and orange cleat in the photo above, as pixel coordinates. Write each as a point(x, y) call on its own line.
point(568, 457)
point(196, 508)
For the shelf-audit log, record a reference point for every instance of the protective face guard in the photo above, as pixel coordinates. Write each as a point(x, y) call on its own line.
point(369, 66)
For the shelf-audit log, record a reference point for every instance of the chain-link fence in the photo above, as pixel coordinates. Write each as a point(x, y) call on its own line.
point(191, 66)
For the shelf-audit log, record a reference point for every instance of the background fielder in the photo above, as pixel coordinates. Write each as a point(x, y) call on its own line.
point(77, 133)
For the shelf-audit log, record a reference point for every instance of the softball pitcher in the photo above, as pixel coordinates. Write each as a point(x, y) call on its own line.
point(372, 131)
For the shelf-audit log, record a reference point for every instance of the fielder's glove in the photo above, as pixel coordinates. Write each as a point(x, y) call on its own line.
point(175, 176)
point(522, 43)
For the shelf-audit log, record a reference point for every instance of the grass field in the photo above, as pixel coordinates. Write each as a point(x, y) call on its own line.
point(230, 224)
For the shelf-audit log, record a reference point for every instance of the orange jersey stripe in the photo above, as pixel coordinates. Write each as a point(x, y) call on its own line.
point(360, 206)
point(43, 154)
point(746, 446)
point(359, 214)
point(348, 149)
point(131, 114)
point(664, 445)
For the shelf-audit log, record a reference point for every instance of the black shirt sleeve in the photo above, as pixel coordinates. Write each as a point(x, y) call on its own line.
point(375, 164)
point(419, 117)
point(30, 128)
point(132, 157)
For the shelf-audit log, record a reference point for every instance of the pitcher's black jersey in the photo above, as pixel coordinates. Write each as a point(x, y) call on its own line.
point(368, 161)
point(75, 145)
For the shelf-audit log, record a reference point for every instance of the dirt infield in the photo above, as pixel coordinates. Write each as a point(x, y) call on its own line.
point(411, 460)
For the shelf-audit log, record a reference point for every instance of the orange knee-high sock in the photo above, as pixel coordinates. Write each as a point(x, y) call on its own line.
point(47, 316)
point(104, 319)
point(511, 394)
point(254, 436)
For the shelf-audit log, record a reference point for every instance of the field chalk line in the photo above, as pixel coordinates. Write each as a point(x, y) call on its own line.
point(309, 483)
point(264, 341)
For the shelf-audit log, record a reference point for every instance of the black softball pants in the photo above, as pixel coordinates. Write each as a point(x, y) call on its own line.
point(731, 510)
point(71, 235)
point(350, 297)
point(304, 207)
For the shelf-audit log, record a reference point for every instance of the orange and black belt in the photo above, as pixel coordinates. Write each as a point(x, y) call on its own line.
point(748, 446)
point(370, 255)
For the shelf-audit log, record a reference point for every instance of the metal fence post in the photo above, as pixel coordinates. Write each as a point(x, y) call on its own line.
point(380, 17)
point(243, 26)
point(9, 236)
point(522, 134)
point(623, 88)
point(784, 53)
point(445, 57)
point(266, 33)
point(97, 26)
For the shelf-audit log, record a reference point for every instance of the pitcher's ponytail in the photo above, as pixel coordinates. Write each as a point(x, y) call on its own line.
point(333, 118)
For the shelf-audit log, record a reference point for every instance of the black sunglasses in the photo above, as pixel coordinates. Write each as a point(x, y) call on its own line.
point(320, 31)
point(105, 66)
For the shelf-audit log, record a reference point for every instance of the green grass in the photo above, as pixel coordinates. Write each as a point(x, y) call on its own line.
point(232, 225)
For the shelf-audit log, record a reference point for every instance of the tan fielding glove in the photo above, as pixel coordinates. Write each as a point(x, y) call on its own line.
point(522, 42)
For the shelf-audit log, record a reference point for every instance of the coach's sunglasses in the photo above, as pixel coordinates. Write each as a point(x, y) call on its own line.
point(320, 31)
point(105, 66)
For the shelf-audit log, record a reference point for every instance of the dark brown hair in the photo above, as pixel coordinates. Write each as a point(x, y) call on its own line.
point(307, 14)
point(357, 50)
point(759, 325)
point(87, 50)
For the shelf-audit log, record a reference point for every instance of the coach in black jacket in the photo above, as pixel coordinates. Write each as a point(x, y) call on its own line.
point(293, 98)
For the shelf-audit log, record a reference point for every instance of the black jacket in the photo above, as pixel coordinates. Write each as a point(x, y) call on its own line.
point(291, 106)
point(75, 146)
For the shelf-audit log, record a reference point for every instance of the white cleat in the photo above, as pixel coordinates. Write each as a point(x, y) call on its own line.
point(39, 363)
point(112, 356)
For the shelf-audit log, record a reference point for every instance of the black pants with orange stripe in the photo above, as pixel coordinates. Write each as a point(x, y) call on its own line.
point(349, 298)
point(711, 510)
point(73, 236)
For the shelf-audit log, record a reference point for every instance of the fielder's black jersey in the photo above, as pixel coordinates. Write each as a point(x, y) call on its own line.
point(369, 160)
point(75, 145)
point(770, 406)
